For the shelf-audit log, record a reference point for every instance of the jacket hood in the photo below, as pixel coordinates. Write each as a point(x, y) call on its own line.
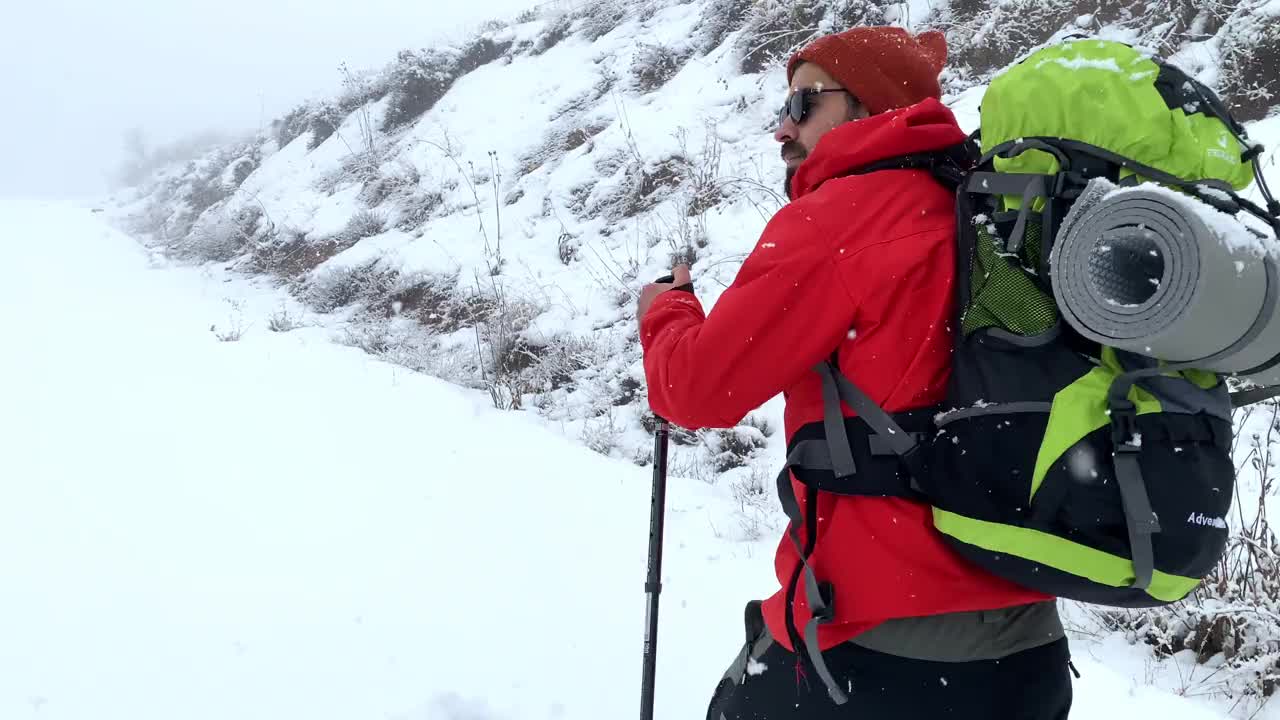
point(924, 127)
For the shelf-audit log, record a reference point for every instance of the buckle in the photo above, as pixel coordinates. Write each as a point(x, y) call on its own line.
point(1124, 429)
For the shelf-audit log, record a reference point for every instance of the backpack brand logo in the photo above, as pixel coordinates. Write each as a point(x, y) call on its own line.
point(1202, 519)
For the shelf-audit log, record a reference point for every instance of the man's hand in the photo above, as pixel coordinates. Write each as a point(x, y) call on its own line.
point(680, 277)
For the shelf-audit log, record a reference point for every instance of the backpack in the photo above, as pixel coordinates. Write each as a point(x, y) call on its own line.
point(1060, 460)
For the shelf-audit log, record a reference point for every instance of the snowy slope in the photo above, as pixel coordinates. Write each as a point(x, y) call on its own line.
point(600, 141)
point(282, 527)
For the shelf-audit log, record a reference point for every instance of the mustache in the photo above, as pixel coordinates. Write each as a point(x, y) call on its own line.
point(793, 148)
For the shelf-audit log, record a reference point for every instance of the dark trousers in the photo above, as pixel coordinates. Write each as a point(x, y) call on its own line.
point(767, 683)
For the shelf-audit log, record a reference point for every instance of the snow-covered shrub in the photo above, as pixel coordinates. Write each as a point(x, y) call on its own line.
point(384, 185)
point(557, 28)
point(753, 489)
point(289, 254)
point(283, 321)
point(418, 80)
point(417, 208)
point(603, 433)
point(985, 37)
point(322, 126)
point(641, 187)
point(774, 29)
point(480, 52)
point(364, 224)
point(1168, 24)
point(601, 17)
point(720, 19)
point(344, 286)
point(654, 65)
point(294, 123)
point(732, 447)
point(705, 185)
point(507, 355)
point(564, 136)
point(1250, 82)
point(432, 300)
point(567, 247)
point(220, 236)
point(760, 423)
point(320, 119)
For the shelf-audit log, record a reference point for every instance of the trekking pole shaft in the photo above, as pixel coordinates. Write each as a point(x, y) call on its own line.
point(653, 582)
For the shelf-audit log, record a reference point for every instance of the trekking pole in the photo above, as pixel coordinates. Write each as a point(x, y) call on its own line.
point(653, 580)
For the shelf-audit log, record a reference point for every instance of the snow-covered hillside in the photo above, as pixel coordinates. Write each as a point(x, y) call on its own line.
point(281, 527)
point(487, 213)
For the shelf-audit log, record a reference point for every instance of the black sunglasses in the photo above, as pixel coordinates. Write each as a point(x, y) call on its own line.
point(799, 103)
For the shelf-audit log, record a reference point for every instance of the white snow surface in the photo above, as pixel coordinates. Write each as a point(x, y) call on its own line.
point(283, 527)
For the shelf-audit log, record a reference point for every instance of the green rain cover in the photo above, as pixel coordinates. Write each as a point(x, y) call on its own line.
point(1113, 96)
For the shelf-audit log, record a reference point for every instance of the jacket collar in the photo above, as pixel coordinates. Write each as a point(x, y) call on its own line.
point(924, 127)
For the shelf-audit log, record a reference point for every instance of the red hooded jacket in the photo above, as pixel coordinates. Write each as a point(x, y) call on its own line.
point(865, 264)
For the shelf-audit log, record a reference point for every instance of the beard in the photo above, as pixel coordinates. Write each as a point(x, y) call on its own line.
point(792, 149)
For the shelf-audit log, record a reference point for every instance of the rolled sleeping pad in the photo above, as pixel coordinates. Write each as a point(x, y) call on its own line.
point(1158, 273)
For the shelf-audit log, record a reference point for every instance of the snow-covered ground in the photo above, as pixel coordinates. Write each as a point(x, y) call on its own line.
point(282, 527)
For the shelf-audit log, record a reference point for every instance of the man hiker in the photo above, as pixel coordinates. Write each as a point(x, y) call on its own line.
point(858, 268)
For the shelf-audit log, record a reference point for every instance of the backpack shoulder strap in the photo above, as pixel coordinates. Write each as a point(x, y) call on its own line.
point(949, 166)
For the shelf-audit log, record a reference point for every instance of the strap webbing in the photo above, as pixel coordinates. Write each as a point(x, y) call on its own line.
point(1000, 183)
point(841, 455)
point(821, 611)
point(1138, 515)
point(1240, 398)
point(1140, 519)
point(1035, 189)
point(899, 440)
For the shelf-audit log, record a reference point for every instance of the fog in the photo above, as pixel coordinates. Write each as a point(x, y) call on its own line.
point(78, 74)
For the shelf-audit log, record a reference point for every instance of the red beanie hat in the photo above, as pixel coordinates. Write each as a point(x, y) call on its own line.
point(885, 67)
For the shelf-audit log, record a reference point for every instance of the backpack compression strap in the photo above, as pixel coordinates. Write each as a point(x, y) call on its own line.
point(1240, 398)
point(948, 166)
point(835, 453)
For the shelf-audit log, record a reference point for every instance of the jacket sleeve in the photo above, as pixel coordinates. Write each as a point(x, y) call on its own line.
point(785, 312)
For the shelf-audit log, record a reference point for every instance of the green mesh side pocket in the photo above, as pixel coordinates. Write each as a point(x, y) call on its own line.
point(1004, 295)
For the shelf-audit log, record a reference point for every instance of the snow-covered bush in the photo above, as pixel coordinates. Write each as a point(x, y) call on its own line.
point(288, 253)
point(654, 65)
point(418, 80)
point(557, 28)
point(601, 17)
point(775, 29)
point(364, 224)
point(719, 20)
point(344, 286)
point(1250, 82)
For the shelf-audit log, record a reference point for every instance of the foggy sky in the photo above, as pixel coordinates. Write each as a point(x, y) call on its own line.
point(76, 74)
